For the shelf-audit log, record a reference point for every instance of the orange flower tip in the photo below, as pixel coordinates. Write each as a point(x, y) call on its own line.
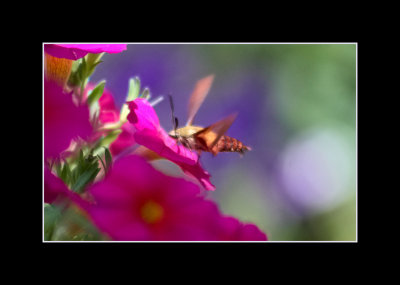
point(146, 153)
point(57, 69)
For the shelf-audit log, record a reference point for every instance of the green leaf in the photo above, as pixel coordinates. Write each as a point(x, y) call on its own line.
point(91, 62)
point(93, 58)
point(83, 237)
point(94, 174)
point(74, 79)
point(85, 178)
point(124, 113)
point(65, 173)
point(81, 159)
point(133, 93)
point(146, 94)
point(108, 158)
point(93, 68)
point(73, 177)
point(134, 89)
point(75, 66)
point(58, 168)
point(96, 93)
point(109, 138)
point(51, 217)
point(82, 70)
point(94, 110)
point(90, 159)
point(102, 162)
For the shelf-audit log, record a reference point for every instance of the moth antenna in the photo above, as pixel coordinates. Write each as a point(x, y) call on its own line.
point(175, 122)
point(156, 101)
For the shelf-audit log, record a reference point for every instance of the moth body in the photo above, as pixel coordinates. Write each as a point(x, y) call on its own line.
point(209, 139)
point(199, 139)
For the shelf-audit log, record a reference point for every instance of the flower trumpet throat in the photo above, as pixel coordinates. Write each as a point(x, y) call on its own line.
point(146, 153)
point(151, 212)
point(57, 69)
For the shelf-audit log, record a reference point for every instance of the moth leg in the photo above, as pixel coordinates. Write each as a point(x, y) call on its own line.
point(186, 143)
point(178, 142)
point(198, 155)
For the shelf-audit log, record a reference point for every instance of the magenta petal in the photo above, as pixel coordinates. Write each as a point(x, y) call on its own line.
point(53, 187)
point(109, 114)
point(116, 198)
point(61, 52)
point(142, 115)
point(108, 117)
point(130, 184)
point(118, 202)
point(162, 144)
point(76, 51)
point(232, 229)
point(96, 48)
point(106, 101)
point(228, 228)
point(63, 121)
point(118, 225)
point(251, 232)
point(124, 140)
point(108, 110)
point(199, 173)
point(150, 134)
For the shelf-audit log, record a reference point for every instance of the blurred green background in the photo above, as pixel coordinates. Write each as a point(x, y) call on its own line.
point(297, 110)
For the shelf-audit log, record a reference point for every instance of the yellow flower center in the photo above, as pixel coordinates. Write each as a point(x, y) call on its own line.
point(151, 212)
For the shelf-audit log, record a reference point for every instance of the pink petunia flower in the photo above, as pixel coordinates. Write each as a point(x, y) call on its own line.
point(77, 51)
point(63, 120)
point(137, 202)
point(150, 134)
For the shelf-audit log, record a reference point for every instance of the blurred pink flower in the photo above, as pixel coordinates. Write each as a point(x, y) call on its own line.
point(124, 140)
point(150, 134)
point(63, 120)
point(77, 51)
point(137, 202)
point(108, 113)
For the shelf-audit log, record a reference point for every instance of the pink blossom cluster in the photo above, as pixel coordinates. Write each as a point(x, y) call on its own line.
point(133, 201)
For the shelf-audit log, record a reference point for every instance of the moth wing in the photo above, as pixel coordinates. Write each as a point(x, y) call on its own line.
point(198, 95)
point(211, 134)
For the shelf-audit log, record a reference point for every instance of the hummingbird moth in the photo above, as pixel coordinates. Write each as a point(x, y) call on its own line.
point(209, 139)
